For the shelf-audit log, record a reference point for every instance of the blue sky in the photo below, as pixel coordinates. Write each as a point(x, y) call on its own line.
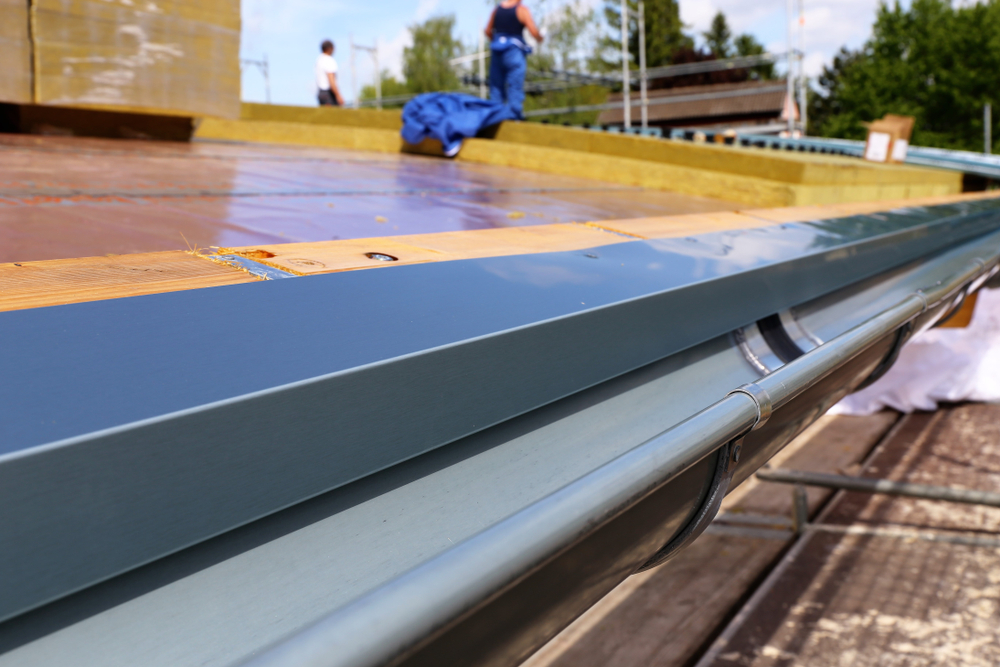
point(289, 33)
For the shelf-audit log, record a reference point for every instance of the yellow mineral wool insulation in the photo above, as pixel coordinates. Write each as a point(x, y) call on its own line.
point(780, 180)
point(379, 119)
point(302, 134)
point(15, 45)
point(180, 56)
point(783, 166)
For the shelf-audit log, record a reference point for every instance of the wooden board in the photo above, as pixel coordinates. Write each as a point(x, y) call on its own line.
point(349, 254)
point(35, 284)
point(62, 281)
point(673, 226)
point(963, 316)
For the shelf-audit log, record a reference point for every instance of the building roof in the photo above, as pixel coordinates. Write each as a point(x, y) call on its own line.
point(761, 98)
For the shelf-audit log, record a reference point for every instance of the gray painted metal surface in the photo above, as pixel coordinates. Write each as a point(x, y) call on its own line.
point(401, 619)
point(150, 440)
point(220, 601)
point(231, 596)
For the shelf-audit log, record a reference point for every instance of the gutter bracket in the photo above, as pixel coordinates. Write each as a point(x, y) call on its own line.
point(903, 334)
point(727, 458)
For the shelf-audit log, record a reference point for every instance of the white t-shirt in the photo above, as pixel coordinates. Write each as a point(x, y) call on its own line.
point(324, 65)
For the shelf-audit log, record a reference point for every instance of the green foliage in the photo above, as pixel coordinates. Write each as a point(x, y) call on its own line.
point(390, 87)
point(718, 37)
point(425, 63)
point(932, 61)
point(747, 45)
point(568, 36)
point(570, 97)
point(664, 35)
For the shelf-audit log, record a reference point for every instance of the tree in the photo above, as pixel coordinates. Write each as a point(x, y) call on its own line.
point(568, 33)
point(664, 35)
point(425, 63)
point(718, 37)
point(747, 45)
point(390, 87)
point(930, 60)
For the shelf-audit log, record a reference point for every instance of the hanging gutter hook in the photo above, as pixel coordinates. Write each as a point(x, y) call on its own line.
point(726, 459)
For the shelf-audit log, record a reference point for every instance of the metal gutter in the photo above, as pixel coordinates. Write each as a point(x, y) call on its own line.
point(469, 344)
point(404, 616)
point(245, 590)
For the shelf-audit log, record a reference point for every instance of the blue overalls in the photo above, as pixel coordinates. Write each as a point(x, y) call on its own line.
point(508, 60)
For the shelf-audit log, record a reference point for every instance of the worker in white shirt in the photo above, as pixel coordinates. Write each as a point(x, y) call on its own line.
point(328, 93)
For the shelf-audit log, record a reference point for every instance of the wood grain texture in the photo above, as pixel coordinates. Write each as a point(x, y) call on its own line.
point(350, 254)
point(61, 281)
point(37, 284)
point(672, 226)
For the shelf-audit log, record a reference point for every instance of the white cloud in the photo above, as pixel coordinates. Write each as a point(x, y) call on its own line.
point(393, 52)
point(425, 8)
point(829, 24)
point(289, 18)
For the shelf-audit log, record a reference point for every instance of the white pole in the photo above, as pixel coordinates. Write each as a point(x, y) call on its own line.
point(626, 84)
point(987, 128)
point(803, 82)
point(482, 65)
point(267, 80)
point(354, 77)
point(378, 78)
point(642, 65)
point(790, 61)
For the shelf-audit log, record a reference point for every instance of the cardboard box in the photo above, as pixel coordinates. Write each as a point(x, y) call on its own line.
point(889, 138)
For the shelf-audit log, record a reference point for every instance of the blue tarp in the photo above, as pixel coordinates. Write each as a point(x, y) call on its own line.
point(450, 118)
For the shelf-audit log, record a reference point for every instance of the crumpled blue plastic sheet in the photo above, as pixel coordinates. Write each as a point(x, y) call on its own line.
point(450, 118)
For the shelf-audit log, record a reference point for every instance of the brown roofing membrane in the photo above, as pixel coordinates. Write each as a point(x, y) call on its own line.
point(64, 197)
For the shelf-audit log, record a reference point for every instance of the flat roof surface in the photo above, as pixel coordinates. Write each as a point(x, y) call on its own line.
point(64, 197)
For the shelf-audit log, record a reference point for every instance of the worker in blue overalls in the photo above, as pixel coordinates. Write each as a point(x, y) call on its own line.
point(508, 53)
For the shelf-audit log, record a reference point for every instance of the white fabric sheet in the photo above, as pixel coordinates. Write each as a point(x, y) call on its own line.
point(940, 365)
